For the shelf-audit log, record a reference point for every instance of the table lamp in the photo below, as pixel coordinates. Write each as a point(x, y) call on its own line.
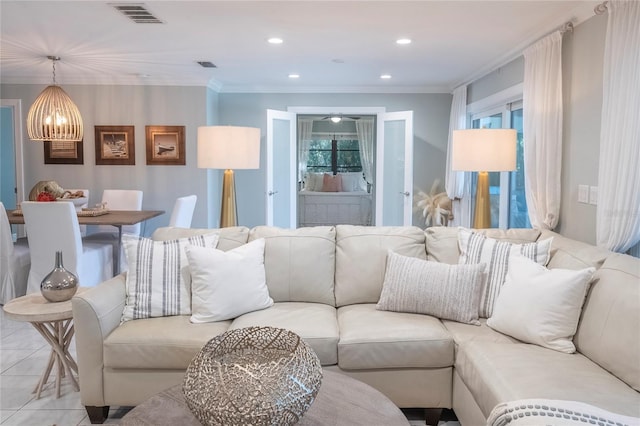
point(228, 148)
point(483, 151)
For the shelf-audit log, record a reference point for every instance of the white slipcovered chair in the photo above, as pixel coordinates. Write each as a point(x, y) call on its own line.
point(53, 226)
point(118, 199)
point(15, 261)
point(183, 211)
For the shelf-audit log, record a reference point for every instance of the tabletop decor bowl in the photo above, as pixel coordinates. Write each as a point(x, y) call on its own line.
point(252, 375)
point(77, 202)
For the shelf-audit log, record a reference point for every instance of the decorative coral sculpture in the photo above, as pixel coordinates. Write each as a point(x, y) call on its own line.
point(435, 206)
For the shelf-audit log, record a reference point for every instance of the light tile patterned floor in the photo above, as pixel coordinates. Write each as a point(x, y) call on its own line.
point(23, 356)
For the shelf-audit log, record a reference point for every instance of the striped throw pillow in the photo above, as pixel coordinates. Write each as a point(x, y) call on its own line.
point(444, 291)
point(158, 282)
point(477, 248)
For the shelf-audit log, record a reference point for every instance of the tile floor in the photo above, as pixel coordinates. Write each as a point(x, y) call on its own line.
point(23, 356)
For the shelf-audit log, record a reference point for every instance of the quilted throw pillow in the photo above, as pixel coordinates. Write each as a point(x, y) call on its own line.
point(477, 248)
point(422, 287)
point(158, 282)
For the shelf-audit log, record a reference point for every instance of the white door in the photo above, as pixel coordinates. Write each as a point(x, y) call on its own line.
point(394, 169)
point(280, 193)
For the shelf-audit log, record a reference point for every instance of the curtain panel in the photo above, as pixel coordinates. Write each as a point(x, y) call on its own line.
point(305, 128)
point(364, 128)
point(542, 122)
point(618, 209)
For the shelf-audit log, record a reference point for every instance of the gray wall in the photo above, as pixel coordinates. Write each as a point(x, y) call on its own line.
point(582, 59)
point(198, 106)
point(127, 105)
point(430, 120)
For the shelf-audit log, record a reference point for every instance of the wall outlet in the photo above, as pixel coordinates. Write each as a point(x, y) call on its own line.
point(583, 193)
point(593, 195)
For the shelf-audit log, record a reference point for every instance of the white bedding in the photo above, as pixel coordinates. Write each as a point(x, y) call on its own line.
point(333, 208)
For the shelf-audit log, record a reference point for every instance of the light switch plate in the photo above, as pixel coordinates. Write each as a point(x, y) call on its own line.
point(593, 195)
point(583, 193)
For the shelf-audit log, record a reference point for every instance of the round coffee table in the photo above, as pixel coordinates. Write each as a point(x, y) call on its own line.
point(340, 401)
point(54, 321)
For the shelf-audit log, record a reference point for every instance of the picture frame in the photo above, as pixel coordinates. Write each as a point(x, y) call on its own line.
point(63, 152)
point(115, 145)
point(165, 145)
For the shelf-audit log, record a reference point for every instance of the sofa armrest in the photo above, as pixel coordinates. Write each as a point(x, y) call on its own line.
point(96, 313)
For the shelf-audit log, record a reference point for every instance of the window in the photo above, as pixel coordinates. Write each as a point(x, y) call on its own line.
point(506, 189)
point(334, 155)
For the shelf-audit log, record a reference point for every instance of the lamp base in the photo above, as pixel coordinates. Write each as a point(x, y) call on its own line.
point(228, 211)
point(482, 216)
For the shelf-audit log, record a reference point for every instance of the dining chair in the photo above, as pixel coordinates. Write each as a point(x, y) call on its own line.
point(83, 228)
point(53, 226)
point(183, 211)
point(117, 199)
point(15, 261)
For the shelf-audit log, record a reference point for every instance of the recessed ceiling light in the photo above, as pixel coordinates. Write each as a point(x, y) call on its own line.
point(385, 76)
point(403, 41)
point(275, 40)
point(294, 75)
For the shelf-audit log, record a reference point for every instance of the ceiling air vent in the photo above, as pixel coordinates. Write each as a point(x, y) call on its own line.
point(207, 64)
point(136, 12)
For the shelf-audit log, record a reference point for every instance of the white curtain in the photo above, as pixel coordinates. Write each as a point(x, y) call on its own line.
point(618, 210)
point(454, 181)
point(542, 122)
point(365, 130)
point(305, 128)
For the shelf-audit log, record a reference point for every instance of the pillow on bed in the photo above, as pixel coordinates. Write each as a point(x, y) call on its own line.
point(331, 183)
point(313, 182)
point(353, 182)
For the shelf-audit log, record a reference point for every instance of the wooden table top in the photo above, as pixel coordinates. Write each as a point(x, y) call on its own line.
point(114, 217)
point(35, 308)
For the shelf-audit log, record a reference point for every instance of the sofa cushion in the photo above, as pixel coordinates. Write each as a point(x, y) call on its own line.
point(361, 256)
point(539, 305)
point(442, 241)
point(372, 339)
point(227, 284)
point(229, 238)
point(479, 248)
point(572, 254)
point(158, 282)
point(463, 333)
point(609, 331)
point(499, 372)
point(299, 263)
point(160, 343)
point(316, 323)
point(421, 287)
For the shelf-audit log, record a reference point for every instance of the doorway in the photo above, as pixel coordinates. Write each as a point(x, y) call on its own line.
point(393, 164)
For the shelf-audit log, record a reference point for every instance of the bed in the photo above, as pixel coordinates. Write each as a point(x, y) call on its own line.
point(333, 208)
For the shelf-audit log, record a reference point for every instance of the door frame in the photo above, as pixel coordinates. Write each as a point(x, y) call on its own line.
point(16, 107)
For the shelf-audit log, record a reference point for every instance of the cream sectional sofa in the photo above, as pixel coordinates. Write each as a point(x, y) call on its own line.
point(326, 281)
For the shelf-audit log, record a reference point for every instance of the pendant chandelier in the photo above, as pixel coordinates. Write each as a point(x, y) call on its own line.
point(53, 116)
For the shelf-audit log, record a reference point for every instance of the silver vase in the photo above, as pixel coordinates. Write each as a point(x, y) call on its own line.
point(59, 285)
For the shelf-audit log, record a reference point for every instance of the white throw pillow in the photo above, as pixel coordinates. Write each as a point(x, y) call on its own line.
point(539, 305)
point(158, 282)
point(477, 248)
point(314, 182)
point(353, 182)
point(444, 291)
point(225, 285)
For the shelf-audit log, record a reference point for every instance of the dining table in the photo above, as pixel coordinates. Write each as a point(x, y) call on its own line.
point(117, 218)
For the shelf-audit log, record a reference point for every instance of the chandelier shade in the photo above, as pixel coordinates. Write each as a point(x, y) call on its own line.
point(54, 117)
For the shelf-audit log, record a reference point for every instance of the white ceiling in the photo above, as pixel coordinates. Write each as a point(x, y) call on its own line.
point(335, 46)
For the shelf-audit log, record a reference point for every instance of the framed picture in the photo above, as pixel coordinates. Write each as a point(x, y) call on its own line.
point(115, 145)
point(63, 152)
point(165, 145)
